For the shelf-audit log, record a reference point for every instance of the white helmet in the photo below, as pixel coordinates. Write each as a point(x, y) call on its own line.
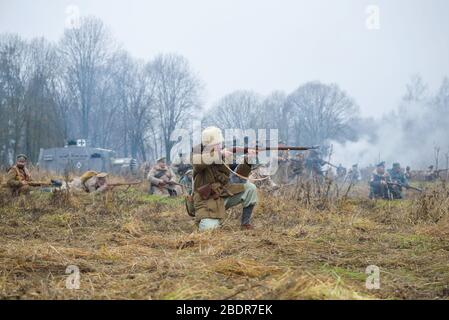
point(211, 136)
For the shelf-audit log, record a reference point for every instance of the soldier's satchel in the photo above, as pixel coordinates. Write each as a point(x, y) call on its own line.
point(210, 190)
point(205, 191)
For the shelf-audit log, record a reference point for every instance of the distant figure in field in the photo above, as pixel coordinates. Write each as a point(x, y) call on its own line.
point(18, 177)
point(314, 164)
point(397, 176)
point(297, 165)
point(162, 179)
point(408, 173)
point(430, 173)
point(354, 174)
point(379, 183)
point(341, 172)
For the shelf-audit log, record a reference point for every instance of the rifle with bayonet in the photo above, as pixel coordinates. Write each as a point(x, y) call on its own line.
point(52, 183)
point(437, 172)
point(119, 184)
point(406, 186)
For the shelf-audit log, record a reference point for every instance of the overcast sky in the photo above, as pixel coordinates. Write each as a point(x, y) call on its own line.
point(266, 45)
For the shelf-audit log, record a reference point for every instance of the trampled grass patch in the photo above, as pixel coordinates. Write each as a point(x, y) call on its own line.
point(128, 244)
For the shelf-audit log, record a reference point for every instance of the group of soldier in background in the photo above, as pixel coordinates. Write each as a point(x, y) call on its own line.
point(304, 166)
point(176, 179)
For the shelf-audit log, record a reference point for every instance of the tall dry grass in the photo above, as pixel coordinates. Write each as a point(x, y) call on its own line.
point(310, 242)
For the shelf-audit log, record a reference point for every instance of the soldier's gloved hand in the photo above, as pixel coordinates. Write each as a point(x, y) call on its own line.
point(162, 184)
point(24, 183)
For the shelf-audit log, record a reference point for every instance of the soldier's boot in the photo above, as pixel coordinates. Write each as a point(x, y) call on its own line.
point(246, 218)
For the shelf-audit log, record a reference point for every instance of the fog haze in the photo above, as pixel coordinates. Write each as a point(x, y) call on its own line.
point(269, 45)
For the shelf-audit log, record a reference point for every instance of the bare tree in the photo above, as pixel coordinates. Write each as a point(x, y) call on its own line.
point(43, 127)
point(320, 112)
point(416, 89)
point(87, 50)
point(274, 114)
point(176, 94)
point(14, 75)
point(135, 95)
point(237, 110)
point(441, 100)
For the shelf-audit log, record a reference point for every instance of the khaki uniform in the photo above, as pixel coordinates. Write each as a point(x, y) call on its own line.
point(226, 193)
point(90, 185)
point(14, 178)
point(159, 174)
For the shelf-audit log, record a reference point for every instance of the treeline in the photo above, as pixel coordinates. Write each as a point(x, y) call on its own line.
point(311, 115)
point(85, 86)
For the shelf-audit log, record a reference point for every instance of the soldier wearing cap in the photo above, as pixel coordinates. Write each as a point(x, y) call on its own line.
point(90, 182)
point(430, 174)
point(354, 173)
point(297, 165)
point(397, 176)
point(379, 183)
point(408, 173)
point(162, 179)
point(18, 176)
point(213, 191)
point(314, 164)
point(341, 172)
point(97, 183)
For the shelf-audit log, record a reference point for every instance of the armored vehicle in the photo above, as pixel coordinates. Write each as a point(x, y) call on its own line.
point(80, 158)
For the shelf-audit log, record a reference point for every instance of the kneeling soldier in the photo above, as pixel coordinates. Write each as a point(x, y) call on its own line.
point(18, 177)
point(162, 179)
point(213, 193)
point(399, 181)
point(379, 183)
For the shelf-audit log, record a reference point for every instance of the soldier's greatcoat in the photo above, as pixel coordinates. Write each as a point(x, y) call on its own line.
point(160, 174)
point(379, 190)
point(397, 177)
point(217, 175)
point(14, 180)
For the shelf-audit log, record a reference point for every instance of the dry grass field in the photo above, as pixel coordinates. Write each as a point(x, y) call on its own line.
point(130, 245)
